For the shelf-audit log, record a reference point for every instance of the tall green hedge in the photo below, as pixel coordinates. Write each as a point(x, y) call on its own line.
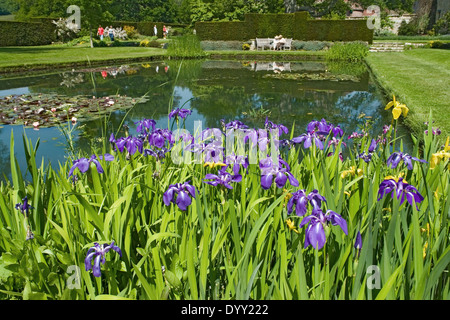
point(13, 33)
point(290, 25)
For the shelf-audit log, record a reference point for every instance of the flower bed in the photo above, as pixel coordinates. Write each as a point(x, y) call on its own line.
point(200, 216)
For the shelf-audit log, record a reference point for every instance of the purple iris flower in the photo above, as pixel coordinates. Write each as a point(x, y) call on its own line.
point(132, 144)
point(98, 253)
point(386, 128)
point(222, 178)
point(355, 135)
point(281, 128)
point(179, 112)
point(358, 243)
point(235, 124)
point(402, 189)
point(158, 137)
point(315, 233)
point(260, 137)
point(434, 131)
point(307, 138)
point(322, 127)
point(237, 161)
point(145, 125)
point(24, 207)
point(158, 153)
point(335, 142)
point(367, 157)
point(182, 190)
point(301, 200)
point(83, 164)
point(395, 158)
point(281, 172)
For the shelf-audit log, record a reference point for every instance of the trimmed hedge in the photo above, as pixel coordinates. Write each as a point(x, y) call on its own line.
point(15, 33)
point(290, 25)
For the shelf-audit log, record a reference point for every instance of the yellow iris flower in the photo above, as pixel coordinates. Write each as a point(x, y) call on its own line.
point(400, 175)
point(352, 171)
point(291, 225)
point(398, 109)
point(443, 154)
point(212, 165)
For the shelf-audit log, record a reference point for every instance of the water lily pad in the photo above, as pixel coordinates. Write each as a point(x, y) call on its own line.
point(46, 110)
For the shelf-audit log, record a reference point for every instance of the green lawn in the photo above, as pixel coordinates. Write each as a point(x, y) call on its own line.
point(420, 79)
point(46, 56)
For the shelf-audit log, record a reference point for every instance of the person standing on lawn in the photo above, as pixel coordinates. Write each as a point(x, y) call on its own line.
point(155, 31)
point(100, 32)
point(164, 31)
point(111, 33)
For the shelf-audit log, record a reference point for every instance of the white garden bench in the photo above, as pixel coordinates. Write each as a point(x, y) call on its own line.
point(262, 43)
point(287, 45)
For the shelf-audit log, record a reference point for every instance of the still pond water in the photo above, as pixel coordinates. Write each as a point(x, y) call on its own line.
point(288, 93)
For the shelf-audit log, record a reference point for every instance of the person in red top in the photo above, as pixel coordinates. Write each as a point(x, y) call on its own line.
point(100, 32)
point(164, 31)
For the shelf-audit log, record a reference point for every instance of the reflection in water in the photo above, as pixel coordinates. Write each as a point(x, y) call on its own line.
point(214, 90)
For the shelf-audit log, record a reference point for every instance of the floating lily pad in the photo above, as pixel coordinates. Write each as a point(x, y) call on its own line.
point(312, 76)
point(47, 110)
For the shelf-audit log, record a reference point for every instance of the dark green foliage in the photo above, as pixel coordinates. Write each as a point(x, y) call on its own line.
point(437, 44)
point(26, 33)
point(407, 29)
point(221, 45)
point(296, 26)
point(310, 45)
point(442, 26)
point(349, 51)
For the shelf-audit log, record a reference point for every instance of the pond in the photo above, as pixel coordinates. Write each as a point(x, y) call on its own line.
point(291, 93)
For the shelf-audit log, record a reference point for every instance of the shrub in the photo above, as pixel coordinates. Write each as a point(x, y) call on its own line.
point(131, 32)
point(437, 44)
point(150, 43)
point(351, 51)
point(408, 29)
point(221, 45)
point(310, 45)
point(185, 46)
point(245, 46)
point(99, 43)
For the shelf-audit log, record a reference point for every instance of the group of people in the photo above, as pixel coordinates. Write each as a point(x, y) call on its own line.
point(155, 31)
point(278, 42)
point(109, 31)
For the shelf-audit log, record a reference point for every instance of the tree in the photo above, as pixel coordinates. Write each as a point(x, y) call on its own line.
point(341, 7)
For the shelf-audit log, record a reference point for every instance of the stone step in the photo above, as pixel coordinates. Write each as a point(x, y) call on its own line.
point(387, 47)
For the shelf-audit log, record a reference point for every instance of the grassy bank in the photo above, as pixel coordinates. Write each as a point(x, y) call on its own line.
point(44, 57)
point(418, 78)
point(20, 59)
